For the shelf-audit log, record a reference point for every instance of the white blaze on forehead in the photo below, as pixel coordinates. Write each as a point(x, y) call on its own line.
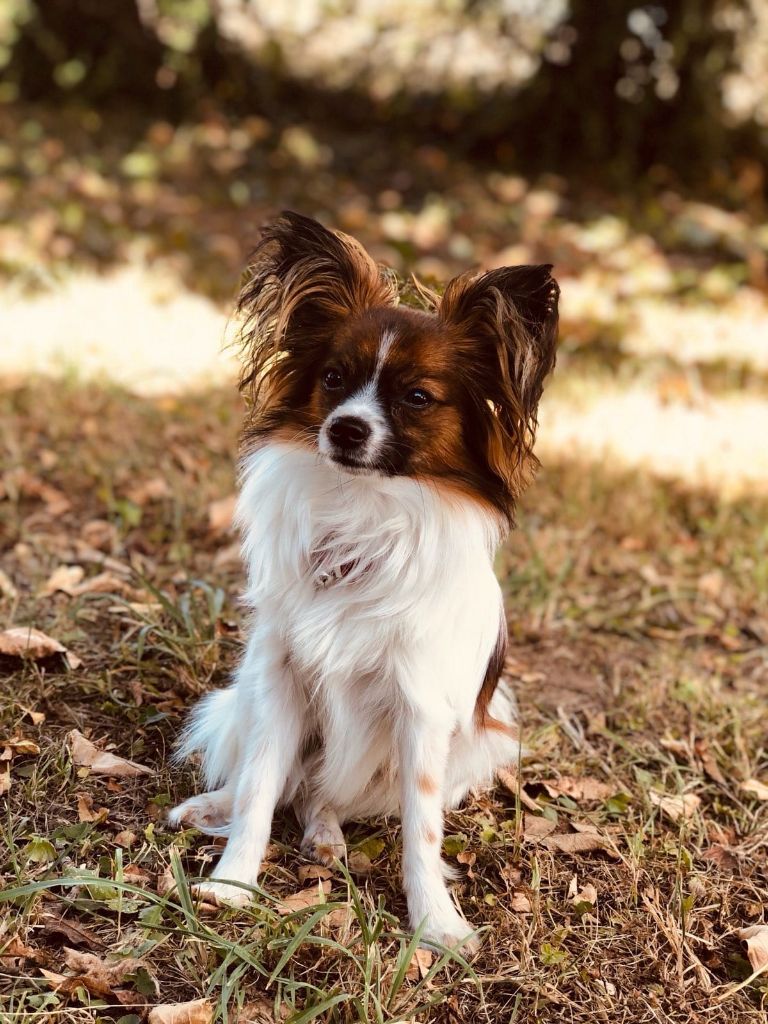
point(365, 405)
point(388, 338)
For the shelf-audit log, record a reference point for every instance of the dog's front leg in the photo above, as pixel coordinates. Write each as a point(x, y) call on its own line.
point(423, 748)
point(269, 739)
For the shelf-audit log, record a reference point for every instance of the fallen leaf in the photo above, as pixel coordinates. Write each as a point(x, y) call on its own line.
point(359, 863)
point(149, 490)
point(5, 780)
point(582, 789)
point(86, 811)
point(125, 838)
point(35, 717)
point(683, 805)
point(309, 897)
point(18, 745)
point(51, 924)
point(587, 894)
point(102, 583)
point(520, 903)
point(755, 788)
point(198, 1011)
point(16, 948)
point(221, 513)
point(100, 977)
point(310, 872)
point(421, 961)
point(756, 938)
point(27, 642)
point(536, 828)
point(7, 587)
point(62, 579)
point(708, 762)
point(87, 755)
point(580, 842)
point(135, 875)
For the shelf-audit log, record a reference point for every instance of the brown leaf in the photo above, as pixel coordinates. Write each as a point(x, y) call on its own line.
point(85, 809)
point(64, 579)
point(536, 828)
point(520, 903)
point(221, 514)
point(683, 805)
point(756, 938)
point(16, 948)
point(125, 838)
point(359, 863)
point(581, 789)
point(5, 780)
point(18, 745)
point(580, 842)
point(586, 894)
point(7, 587)
point(754, 788)
point(99, 977)
point(197, 1011)
point(51, 924)
point(27, 642)
point(35, 717)
point(421, 961)
point(87, 755)
point(708, 762)
point(135, 875)
point(149, 490)
point(309, 897)
point(102, 583)
point(310, 872)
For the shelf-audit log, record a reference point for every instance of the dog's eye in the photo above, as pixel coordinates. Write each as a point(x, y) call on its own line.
point(418, 398)
point(332, 380)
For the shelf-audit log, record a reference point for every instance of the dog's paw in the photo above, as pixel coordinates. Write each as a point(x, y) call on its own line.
point(220, 894)
point(323, 841)
point(208, 812)
point(453, 932)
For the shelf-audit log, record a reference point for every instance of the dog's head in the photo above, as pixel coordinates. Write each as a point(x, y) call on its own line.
point(449, 396)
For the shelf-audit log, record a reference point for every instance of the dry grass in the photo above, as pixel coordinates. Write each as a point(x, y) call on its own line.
point(638, 612)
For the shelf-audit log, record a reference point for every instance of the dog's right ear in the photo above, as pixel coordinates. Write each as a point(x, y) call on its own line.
point(302, 282)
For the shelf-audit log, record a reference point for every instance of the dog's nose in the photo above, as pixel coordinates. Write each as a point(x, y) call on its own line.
point(349, 432)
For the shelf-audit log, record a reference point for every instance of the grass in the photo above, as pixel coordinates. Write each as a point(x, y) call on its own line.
point(638, 617)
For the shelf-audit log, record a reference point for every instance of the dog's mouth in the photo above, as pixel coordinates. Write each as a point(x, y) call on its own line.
point(351, 463)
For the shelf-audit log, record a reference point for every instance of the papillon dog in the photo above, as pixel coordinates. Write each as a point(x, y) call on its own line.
point(382, 459)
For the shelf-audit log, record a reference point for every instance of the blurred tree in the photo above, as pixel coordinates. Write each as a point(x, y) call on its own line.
point(609, 88)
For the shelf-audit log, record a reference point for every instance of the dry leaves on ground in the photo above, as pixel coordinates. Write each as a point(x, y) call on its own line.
point(581, 790)
point(683, 806)
point(754, 788)
point(62, 579)
point(221, 513)
point(28, 642)
point(309, 897)
point(756, 938)
point(87, 812)
point(197, 1011)
point(103, 978)
point(87, 755)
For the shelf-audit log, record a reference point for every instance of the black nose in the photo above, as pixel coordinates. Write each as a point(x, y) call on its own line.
point(349, 431)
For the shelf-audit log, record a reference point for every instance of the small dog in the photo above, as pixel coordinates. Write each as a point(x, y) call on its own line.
point(382, 462)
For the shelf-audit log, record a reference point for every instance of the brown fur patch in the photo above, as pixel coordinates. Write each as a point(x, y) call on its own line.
point(426, 785)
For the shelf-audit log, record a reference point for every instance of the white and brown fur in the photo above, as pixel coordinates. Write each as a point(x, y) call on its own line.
point(380, 469)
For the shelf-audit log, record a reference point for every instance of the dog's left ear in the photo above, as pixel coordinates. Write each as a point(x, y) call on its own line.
point(507, 319)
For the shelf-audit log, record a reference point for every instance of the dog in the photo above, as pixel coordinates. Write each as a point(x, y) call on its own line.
point(382, 460)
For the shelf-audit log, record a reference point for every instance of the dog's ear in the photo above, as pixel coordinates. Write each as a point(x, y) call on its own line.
point(507, 319)
point(301, 283)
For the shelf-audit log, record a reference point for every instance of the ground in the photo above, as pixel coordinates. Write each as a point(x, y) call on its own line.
point(613, 868)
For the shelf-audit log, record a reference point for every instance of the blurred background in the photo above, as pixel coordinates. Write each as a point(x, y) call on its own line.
point(144, 141)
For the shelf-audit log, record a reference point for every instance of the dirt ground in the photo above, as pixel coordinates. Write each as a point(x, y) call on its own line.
point(614, 869)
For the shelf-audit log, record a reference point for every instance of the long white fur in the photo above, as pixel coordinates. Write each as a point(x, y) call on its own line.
point(354, 697)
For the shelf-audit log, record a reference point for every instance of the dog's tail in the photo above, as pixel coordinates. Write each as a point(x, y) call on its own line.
point(212, 731)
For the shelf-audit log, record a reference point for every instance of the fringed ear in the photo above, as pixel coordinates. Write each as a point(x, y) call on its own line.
point(508, 319)
point(302, 282)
